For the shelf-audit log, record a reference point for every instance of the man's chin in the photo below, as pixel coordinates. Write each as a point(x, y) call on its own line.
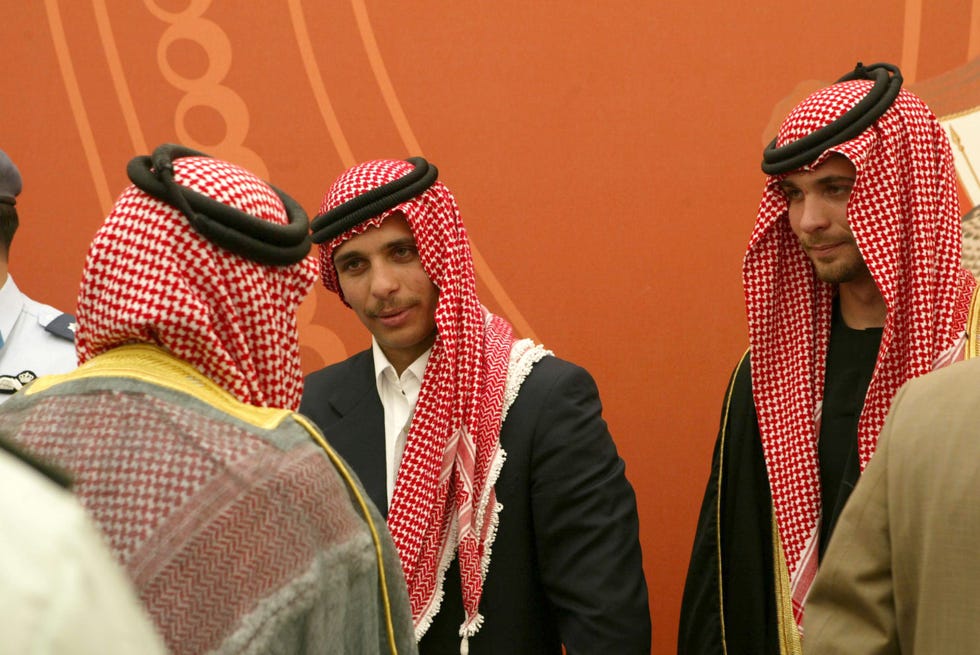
point(838, 274)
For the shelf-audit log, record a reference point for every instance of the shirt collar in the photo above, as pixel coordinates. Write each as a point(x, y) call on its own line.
point(11, 304)
point(381, 363)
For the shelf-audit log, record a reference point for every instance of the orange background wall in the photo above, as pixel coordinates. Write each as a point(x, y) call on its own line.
point(605, 156)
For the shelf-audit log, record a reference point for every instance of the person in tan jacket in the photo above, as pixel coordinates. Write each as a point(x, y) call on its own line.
point(901, 572)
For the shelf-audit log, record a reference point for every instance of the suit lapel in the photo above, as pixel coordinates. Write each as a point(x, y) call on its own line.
point(359, 434)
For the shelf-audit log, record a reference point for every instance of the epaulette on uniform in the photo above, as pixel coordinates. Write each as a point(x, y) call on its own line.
point(62, 326)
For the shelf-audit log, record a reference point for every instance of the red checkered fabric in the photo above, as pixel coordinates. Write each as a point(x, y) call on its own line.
point(150, 278)
point(904, 214)
point(443, 499)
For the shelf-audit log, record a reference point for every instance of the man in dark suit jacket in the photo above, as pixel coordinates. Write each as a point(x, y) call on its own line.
point(506, 498)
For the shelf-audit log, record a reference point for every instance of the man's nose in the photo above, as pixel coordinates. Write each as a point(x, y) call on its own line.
point(384, 281)
point(813, 215)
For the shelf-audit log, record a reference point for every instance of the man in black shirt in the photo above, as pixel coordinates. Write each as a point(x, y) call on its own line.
point(853, 285)
point(851, 357)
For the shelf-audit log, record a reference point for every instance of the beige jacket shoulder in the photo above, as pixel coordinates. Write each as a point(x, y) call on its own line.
point(902, 571)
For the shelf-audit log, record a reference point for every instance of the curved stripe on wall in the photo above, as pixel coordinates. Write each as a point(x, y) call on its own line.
point(191, 26)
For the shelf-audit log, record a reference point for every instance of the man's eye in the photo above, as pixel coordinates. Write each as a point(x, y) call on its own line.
point(404, 252)
point(351, 265)
point(792, 194)
point(838, 191)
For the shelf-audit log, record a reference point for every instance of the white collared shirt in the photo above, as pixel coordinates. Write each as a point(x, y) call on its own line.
point(27, 345)
point(398, 397)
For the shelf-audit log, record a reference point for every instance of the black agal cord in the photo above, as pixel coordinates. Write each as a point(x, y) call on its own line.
point(343, 217)
point(805, 150)
point(228, 227)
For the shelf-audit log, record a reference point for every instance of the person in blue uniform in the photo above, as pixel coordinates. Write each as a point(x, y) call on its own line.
point(35, 339)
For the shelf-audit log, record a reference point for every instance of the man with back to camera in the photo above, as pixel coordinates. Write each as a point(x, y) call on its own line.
point(35, 339)
point(240, 528)
point(853, 285)
point(506, 498)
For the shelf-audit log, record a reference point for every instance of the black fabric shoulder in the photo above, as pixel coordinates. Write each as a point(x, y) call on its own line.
point(337, 369)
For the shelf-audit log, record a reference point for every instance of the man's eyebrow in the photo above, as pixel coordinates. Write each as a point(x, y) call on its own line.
point(826, 179)
point(400, 243)
point(394, 243)
point(833, 179)
point(344, 256)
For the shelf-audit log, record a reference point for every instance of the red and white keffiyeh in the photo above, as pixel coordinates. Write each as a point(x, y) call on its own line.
point(904, 214)
point(150, 278)
point(444, 499)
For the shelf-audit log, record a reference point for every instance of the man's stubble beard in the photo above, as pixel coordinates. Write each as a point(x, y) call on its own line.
point(840, 272)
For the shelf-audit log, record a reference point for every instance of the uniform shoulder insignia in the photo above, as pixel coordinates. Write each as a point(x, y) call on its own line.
point(13, 383)
point(62, 326)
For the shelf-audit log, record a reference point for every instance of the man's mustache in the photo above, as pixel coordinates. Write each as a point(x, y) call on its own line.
point(391, 308)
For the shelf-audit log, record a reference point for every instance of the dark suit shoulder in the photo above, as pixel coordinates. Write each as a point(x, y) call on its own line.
point(551, 365)
point(553, 376)
point(335, 390)
point(333, 383)
point(557, 410)
point(340, 371)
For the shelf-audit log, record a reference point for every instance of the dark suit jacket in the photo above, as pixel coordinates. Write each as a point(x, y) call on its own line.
point(566, 564)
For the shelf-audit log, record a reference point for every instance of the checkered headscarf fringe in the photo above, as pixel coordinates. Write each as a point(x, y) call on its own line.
point(151, 278)
point(444, 500)
point(904, 214)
